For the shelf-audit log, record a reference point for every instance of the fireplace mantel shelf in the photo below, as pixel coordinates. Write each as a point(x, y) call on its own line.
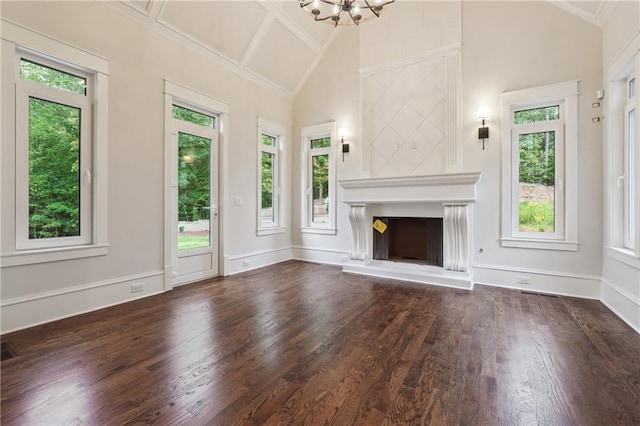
point(443, 188)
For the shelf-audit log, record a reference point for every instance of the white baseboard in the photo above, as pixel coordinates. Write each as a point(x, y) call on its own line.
point(320, 255)
point(25, 312)
point(540, 281)
point(626, 306)
point(255, 260)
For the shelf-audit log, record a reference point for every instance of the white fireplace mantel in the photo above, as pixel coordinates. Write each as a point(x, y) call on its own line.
point(455, 191)
point(443, 188)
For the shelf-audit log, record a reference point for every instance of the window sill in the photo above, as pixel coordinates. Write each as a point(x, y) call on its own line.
point(540, 244)
point(322, 231)
point(30, 257)
point(624, 255)
point(271, 231)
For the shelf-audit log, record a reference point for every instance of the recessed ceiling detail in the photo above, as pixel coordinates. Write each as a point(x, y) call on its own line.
point(273, 43)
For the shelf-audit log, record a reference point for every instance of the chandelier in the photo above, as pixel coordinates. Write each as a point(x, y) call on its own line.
point(330, 11)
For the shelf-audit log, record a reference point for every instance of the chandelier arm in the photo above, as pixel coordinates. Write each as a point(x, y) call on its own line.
point(371, 8)
point(303, 4)
point(332, 3)
point(353, 19)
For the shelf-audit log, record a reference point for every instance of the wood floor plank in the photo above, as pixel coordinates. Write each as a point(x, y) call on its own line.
point(305, 344)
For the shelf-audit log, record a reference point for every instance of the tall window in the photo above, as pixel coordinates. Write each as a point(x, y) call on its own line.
point(630, 174)
point(271, 139)
point(60, 152)
point(537, 146)
point(539, 187)
point(319, 178)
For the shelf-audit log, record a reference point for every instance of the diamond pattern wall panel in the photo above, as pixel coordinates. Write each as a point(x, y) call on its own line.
point(408, 119)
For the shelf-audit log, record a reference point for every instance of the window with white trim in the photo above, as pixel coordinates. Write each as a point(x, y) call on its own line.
point(60, 151)
point(540, 172)
point(629, 176)
point(271, 140)
point(318, 173)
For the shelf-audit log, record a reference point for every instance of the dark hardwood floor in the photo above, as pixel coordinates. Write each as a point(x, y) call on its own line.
point(300, 343)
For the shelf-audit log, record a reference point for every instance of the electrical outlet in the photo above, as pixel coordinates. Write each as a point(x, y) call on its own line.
point(523, 279)
point(237, 201)
point(137, 287)
point(246, 263)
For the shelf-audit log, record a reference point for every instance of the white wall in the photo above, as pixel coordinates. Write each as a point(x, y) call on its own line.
point(332, 93)
point(518, 45)
point(139, 61)
point(621, 273)
point(505, 46)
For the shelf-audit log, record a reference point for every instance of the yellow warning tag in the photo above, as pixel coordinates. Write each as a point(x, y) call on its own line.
point(379, 226)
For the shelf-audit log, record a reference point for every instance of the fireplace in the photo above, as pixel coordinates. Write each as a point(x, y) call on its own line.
point(408, 239)
point(447, 197)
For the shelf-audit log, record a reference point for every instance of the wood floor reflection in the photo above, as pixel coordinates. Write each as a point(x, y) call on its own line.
point(300, 343)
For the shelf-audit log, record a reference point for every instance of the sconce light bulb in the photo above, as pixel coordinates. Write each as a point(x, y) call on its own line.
point(483, 113)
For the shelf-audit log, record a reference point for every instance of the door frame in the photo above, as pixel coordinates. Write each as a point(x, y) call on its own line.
point(176, 93)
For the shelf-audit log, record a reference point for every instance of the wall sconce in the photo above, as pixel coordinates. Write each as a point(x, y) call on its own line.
point(483, 132)
point(345, 146)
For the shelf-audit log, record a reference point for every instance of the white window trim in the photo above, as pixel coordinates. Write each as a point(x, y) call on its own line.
point(19, 39)
point(566, 237)
point(279, 133)
point(25, 89)
point(306, 135)
point(629, 163)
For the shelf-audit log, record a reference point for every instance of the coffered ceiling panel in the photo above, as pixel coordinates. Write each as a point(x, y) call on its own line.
point(282, 57)
point(224, 26)
point(320, 32)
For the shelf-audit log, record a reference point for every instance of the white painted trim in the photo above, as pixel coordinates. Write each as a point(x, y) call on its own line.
point(271, 231)
point(536, 271)
point(22, 39)
point(53, 255)
point(566, 92)
point(23, 312)
point(258, 259)
point(540, 244)
point(144, 11)
point(540, 281)
point(541, 94)
point(618, 64)
point(623, 304)
point(624, 255)
point(575, 10)
point(178, 93)
point(153, 24)
point(318, 230)
point(52, 47)
point(195, 97)
point(452, 49)
point(320, 255)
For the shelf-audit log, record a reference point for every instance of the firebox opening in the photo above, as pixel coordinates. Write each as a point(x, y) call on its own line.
point(409, 239)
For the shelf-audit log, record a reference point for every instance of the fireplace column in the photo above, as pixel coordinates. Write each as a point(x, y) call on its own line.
point(360, 231)
point(456, 237)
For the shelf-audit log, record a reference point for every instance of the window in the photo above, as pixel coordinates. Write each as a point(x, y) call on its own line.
point(539, 183)
point(271, 139)
point(319, 179)
point(60, 152)
point(54, 143)
point(629, 163)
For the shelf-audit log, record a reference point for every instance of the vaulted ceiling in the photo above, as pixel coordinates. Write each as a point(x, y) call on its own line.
point(274, 43)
